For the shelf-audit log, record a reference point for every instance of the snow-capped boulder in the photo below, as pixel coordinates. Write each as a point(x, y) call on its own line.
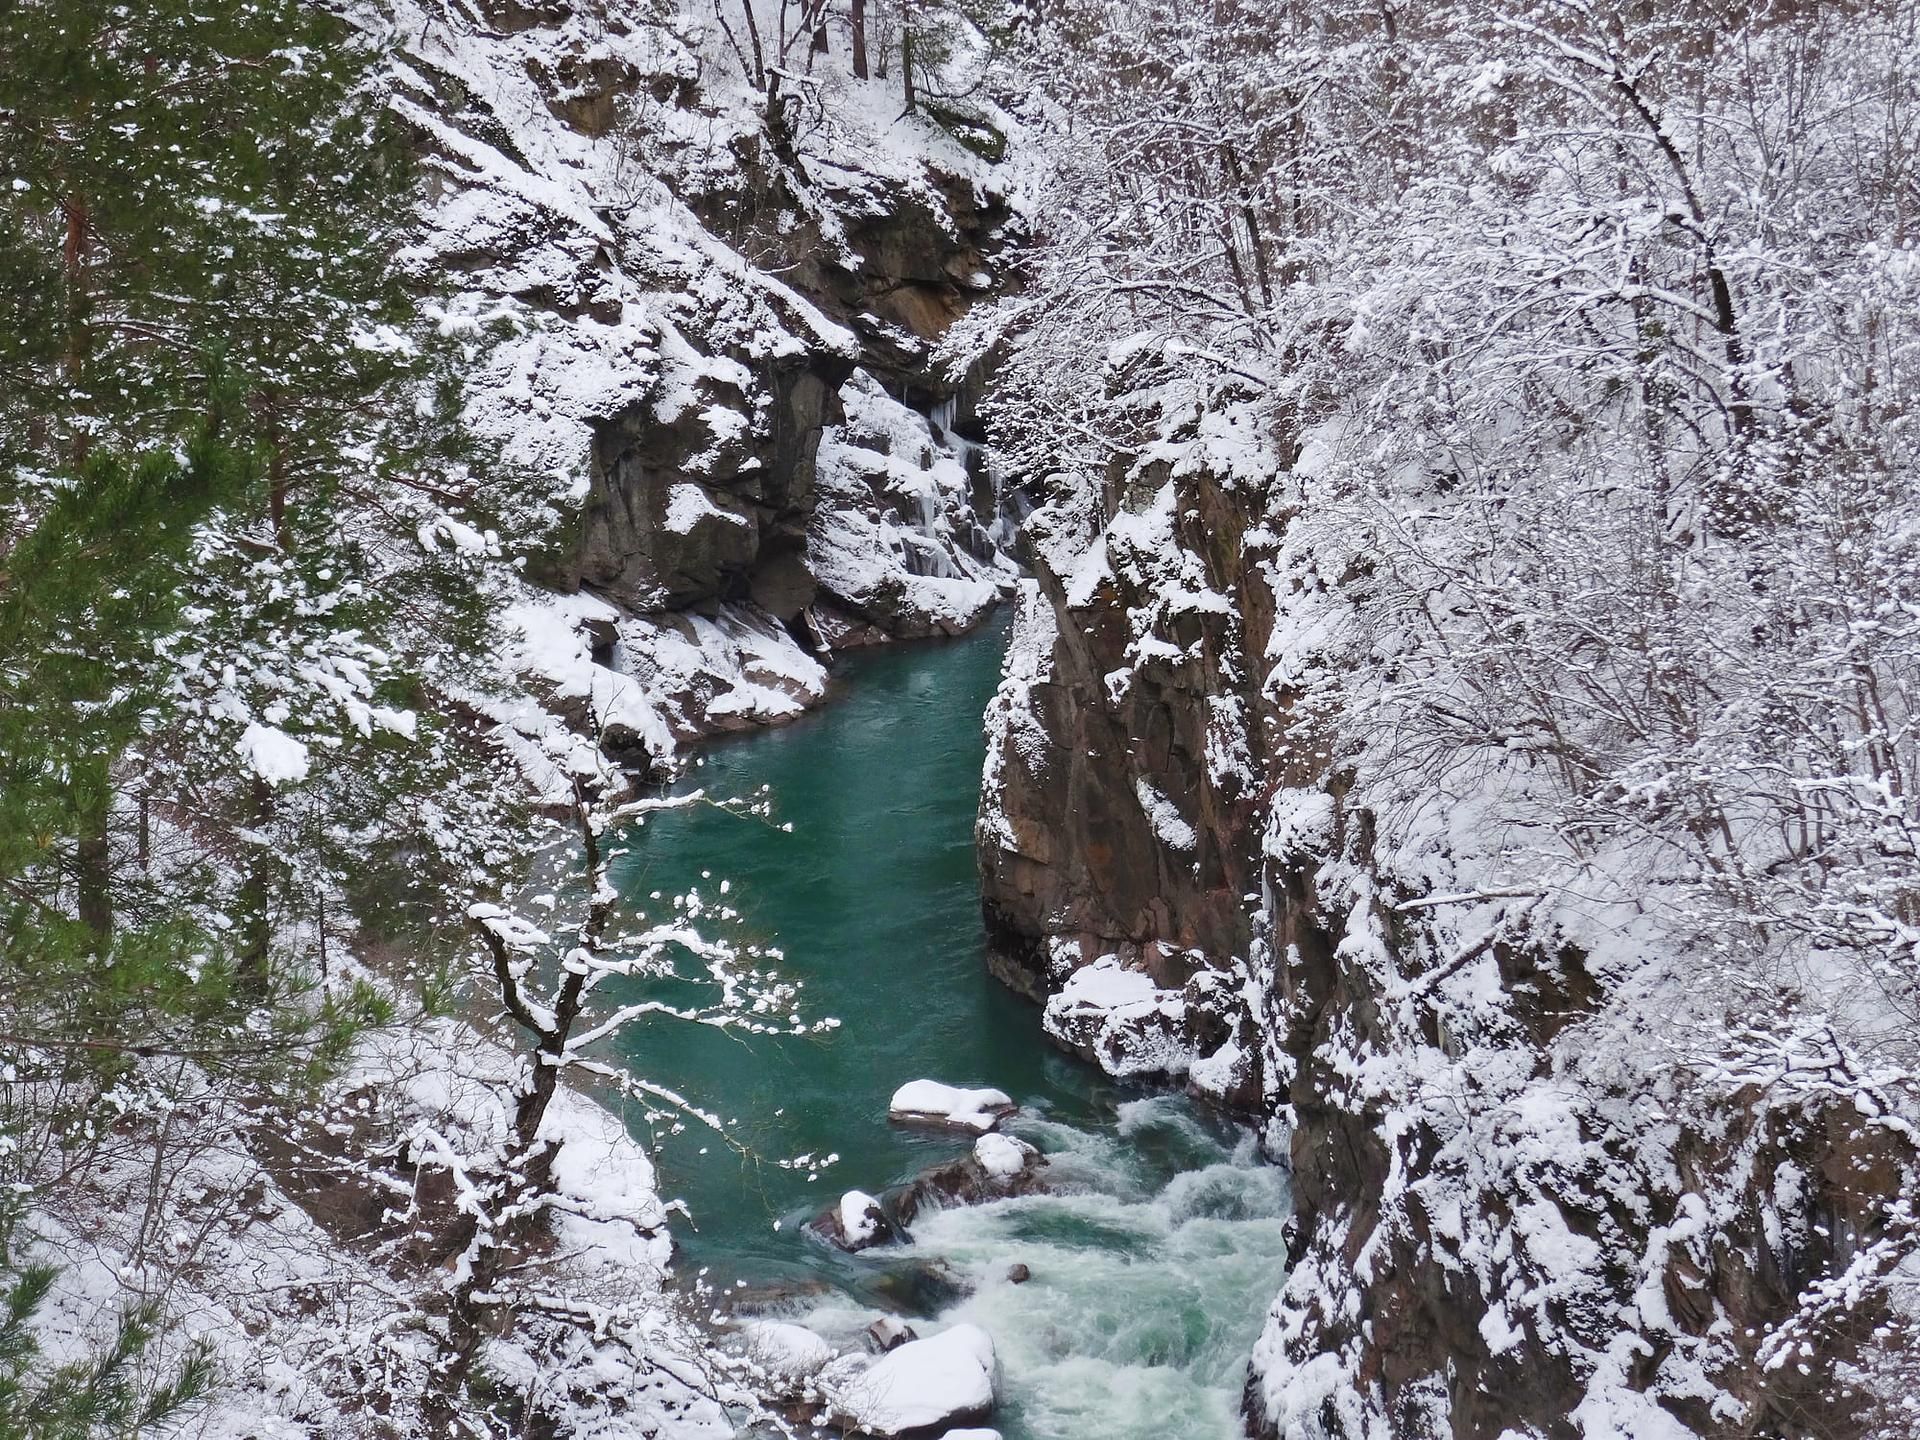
point(790, 1354)
point(1121, 1020)
point(928, 1102)
point(1002, 1156)
point(944, 1380)
point(999, 1166)
point(855, 1222)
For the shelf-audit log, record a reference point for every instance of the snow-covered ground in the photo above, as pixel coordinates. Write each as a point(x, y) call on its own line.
point(290, 1258)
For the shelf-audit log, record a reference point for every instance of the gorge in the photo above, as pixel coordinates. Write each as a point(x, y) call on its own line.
point(1322, 601)
point(1156, 1244)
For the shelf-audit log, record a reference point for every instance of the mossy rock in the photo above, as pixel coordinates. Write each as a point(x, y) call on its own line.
point(975, 134)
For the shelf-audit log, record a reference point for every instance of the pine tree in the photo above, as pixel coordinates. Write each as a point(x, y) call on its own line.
point(104, 1393)
point(203, 209)
point(243, 542)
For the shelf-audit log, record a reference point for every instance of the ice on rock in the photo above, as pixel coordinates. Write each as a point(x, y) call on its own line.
point(930, 1102)
point(943, 1380)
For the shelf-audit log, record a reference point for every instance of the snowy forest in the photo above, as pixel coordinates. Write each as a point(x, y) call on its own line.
point(959, 719)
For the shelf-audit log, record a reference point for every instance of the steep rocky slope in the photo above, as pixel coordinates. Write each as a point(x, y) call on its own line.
point(716, 345)
point(716, 357)
point(1537, 1190)
point(1123, 777)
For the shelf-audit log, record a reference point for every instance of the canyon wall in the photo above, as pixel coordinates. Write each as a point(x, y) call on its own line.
point(718, 345)
point(1528, 1201)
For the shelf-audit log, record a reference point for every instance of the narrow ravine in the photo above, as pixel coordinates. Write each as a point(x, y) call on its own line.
point(1149, 1275)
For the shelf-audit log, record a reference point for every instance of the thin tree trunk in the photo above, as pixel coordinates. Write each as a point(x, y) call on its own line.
point(858, 15)
point(909, 99)
point(277, 487)
point(256, 925)
point(74, 262)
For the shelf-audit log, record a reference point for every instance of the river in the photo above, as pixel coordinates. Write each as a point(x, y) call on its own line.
point(1149, 1279)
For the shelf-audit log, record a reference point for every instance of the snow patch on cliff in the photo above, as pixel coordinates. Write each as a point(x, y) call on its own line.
point(894, 537)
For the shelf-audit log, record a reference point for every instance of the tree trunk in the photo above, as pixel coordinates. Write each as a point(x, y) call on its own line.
point(277, 486)
point(858, 15)
point(74, 263)
point(256, 925)
point(906, 66)
point(93, 858)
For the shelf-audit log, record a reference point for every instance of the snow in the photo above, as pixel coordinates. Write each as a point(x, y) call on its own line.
point(923, 1383)
point(1015, 733)
point(930, 1100)
point(791, 1351)
point(860, 1218)
point(275, 756)
point(1168, 824)
point(1106, 985)
point(1002, 1156)
point(688, 504)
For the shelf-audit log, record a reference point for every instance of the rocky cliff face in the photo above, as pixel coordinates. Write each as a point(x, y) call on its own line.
point(1529, 1199)
point(1119, 820)
point(718, 327)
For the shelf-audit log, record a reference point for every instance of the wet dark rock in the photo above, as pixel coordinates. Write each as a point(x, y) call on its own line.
point(775, 1297)
point(921, 1287)
point(889, 1332)
point(1018, 1274)
point(965, 1181)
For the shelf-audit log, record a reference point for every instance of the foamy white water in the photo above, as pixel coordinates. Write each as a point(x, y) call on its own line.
point(1149, 1279)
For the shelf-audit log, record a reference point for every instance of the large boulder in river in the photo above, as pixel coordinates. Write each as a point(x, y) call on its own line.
point(855, 1222)
point(920, 1387)
point(999, 1166)
point(928, 1102)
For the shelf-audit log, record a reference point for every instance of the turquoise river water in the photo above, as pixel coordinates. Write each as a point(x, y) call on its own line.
point(1150, 1275)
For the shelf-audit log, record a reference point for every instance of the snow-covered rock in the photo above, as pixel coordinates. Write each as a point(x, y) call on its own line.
point(929, 1102)
point(788, 1352)
point(943, 1380)
point(1002, 1156)
point(854, 1222)
point(861, 1219)
point(895, 541)
point(1121, 1020)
